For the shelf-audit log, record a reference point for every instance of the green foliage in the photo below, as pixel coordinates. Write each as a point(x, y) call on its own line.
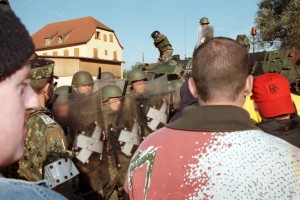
point(125, 71)
point(278, 24)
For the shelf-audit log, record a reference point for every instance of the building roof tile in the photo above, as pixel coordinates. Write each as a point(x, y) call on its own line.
point(75, 31)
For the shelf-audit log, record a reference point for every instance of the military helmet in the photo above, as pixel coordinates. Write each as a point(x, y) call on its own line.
point(82, 78)
point(62, 93)
point(204, 20)
point(64, 89)
point(136, 75)
point(155, 34)
point(107, 75)
point(110, 91)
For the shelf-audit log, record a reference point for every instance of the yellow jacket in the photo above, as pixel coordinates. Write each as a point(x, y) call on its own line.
point(254, 115)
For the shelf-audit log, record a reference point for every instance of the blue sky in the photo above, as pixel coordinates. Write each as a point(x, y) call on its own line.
point(134, 20)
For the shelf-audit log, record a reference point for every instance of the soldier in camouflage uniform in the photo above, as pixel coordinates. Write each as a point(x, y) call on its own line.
point(83, 82)
point(45, 142)
point(110, 108)
point(136, 80)
point(164, 46)
point(121, 129)
point(147, 97)
point(61, 109)
point(89, 141)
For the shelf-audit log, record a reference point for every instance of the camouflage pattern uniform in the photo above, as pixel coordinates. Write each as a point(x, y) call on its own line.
point(118, 124)
point(165, 48)
point(45, 140)
point(44, 137)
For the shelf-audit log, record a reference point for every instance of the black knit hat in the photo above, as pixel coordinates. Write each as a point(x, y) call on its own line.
point(16, 45)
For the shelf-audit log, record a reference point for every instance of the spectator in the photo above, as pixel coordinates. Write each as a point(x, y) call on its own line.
point(273, 101)
point(213, 151)
point(16, 47)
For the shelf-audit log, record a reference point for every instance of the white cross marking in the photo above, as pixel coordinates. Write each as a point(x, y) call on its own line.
point(157, 116)
point(89, 145)
point(130, 138)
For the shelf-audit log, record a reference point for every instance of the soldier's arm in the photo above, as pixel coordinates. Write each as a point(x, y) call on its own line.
point(57, 153)
point(159, 39)
point(56, 141)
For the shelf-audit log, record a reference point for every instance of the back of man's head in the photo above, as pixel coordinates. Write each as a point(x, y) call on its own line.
point(271, 93)
point(220, 70)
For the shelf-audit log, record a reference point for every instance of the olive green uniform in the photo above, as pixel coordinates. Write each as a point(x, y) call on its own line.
point(165, 48)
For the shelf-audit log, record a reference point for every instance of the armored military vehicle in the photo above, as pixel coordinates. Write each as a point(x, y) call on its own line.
point(284, 62)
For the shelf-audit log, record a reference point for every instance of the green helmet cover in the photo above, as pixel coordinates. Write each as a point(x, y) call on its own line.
point(62, 92)
point(110, 91)
point(82, 78)
point(204, 20)
point(136, 75)
point(107, 75)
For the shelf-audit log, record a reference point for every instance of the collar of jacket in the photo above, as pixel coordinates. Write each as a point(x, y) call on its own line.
point(221, 118)
point(44, 110)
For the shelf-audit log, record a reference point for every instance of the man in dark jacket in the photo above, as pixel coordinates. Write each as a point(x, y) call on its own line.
point(273, 101)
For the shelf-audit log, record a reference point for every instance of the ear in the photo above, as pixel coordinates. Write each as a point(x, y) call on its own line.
point(46, 89)
point(249, 85)
point(192, 87)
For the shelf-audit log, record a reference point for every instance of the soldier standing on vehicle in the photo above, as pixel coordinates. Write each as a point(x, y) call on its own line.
point(164, 46)
point(205, 32)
